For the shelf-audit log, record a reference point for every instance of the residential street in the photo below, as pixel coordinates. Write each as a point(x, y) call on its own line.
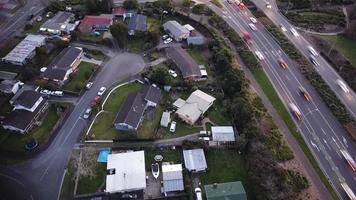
point(40, 177)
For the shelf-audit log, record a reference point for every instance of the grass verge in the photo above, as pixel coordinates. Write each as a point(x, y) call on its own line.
point(77, 82)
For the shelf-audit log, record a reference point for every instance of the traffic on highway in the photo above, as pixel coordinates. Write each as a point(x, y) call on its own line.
point(321, 131)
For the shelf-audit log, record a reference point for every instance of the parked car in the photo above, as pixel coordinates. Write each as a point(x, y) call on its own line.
point(164, 37)
point(312, 51)
point(87, 113)
point(259, 55)
point(342, 85)
point(88, 85)
point(172, 73)
point(57, 93)
point(252, 26)
point(253, 20)
point(173, 127)
point(198, 195)
point(45, 92)
point(283, 28)
point(168, 40)
point(102, 91)
point(313, 60)
point(294, 32)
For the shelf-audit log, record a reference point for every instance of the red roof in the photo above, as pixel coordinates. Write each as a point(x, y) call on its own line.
point(118, 11)
point(89, 21)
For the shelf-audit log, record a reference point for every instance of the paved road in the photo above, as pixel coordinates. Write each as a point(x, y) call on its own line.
point(40, 177)
point(320, 129)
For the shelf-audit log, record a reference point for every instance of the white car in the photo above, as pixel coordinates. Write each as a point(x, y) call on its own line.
point(87, 113)
point(168, 40)
point(57, 93)
point(259, 55)
point(172, 73)
point(312, 51)
point(342, 85)
point(172, 128)
point(45, 92)
point(198, 194)
point(294, 32)
point(252, 26)
point(268, 5)
point(88, 85)
point(253, 20)
point(165, 37)
point(296, 111)
point(101, 91)
point(283, 28)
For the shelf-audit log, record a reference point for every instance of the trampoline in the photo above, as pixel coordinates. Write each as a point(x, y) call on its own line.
point(103, 155)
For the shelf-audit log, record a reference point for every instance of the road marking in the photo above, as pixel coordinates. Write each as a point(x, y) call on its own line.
point(326, 143)
point(345, 141)
point(335, 142)
point(314, 145)
point(287, 77)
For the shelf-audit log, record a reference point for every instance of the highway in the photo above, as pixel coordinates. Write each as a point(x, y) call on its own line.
point(321, 131)
point(326, 71)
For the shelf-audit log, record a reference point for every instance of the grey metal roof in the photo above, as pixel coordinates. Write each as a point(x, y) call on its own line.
point(138, 23)
point(27, 98)
point(194, 160)
point(223, 133)
point(166, 117)
point(66, 58)
point(175, 28)
point(151, 93)
point(132, 110)
point(60, 19)
point(172, 178)
point(184, 61)
point(6, 85)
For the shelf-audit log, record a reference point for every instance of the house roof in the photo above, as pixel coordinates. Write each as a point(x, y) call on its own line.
point(132, 110)
point(225, 191)
point(129, 172)
point(179, 103)
point(55, 73)
point(59, 21)
point(23, 88)
point(28, 98)
point(189, 27)
point(172, 177)
point(89, 22)
point(151, 93)
point(175, 28)
point(165, 119)
point(138, 23)
point(223, 133)
point(194, 159)
point(7, 85)
point(184, 61)
point(66, 58)
point(203, 100)
point(190, 112)
point(22, 119)
point(118, 11)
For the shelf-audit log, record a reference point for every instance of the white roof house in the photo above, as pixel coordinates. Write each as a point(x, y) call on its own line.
point(172, 178)
point(194, 160)
point(195, 106)
point(189, 27)
point(126, 172)
point(176, 30)
point(179, 103)
point(223, 133)
point(166, 118)
point(25, 49)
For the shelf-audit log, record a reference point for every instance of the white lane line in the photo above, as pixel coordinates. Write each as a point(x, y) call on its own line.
point(314, 145)
point(326, 143)
point(287, 77)
point(345, 141)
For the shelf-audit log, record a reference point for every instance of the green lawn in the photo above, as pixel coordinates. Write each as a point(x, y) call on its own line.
point(197, 55)
point(16, 142)
point(136, 45)
point(149, 127)
point(344, 45)
point(97, 55)
point(152, 24)
point(35, 26)
point(79, 79)
point(182, 129)
point(175, 156)
point(216, 115)
point(92, 184)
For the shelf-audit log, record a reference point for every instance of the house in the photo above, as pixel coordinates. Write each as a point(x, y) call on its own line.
point(172, 178)
point(188, 67)
point(23, 87)
point(63, 65)
point(9, 87)
point(194, 160)
point(28, 108)
point(95, 23)
point(60, 23)
point(131, 113)
point(223, 134)
point(126, 172)
point(137, 23)
point(176, 30)
point(194, 107)
point(25, 50)
point(118, 11)
point(165, 119)
point(223, 191)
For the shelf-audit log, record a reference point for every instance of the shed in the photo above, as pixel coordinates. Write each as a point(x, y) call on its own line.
point(166, 118)
point(225, 191)
point(223, 133)
point(194, 160)
point(172, 178)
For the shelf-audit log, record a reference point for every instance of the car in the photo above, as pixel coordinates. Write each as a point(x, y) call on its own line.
point(282, 63)
point(304, 93)
point(172, 73)
point(102, 91)
point(172, 128)
point(31, 144)
point(342, 85)
point(88, 85)
point(87, 113)
point(312, 51)
point(95, 101)
point(268, 5)
point(294, 32)
point(49, 14)
point(45, 92)
point(168, 40)
point(252, 26)
point(296, 111)
point(253, 20)
point(312, 60)
point(259, 55)
point(283, 28)
point(165, 37)
point(57, 93)
point(198, 195)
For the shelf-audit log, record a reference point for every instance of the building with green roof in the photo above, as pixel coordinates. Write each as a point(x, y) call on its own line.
point(225, 191)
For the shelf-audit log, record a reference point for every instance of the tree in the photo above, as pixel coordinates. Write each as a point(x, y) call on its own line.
point(161, 76)
point(55, 6)
point(98, 6)
point(41, 55)
point(163, 5)
point(119, 32)
point(131, 4)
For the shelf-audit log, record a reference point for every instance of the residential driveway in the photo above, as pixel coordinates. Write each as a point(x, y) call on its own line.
point(41, 176)
point(92, 60)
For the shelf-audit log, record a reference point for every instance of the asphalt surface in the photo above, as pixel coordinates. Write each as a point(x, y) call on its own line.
point(40, 177)
point(320, 129)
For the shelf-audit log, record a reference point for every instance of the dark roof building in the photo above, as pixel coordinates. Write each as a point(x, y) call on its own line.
point(59, 23)
point(151, 94)
point(224, 191)
point(137, 23)
point(24, 87)
point(188, 67)
point(9, 86)
point(27, 100)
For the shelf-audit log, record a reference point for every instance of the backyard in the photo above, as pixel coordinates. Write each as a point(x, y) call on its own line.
point(79, 78)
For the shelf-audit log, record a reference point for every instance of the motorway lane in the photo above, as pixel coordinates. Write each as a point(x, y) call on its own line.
point(44, 173)
point(326, 71)
point(319, 126)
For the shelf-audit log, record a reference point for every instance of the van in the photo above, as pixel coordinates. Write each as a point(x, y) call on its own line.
point(198, 195)
point(58, 93)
